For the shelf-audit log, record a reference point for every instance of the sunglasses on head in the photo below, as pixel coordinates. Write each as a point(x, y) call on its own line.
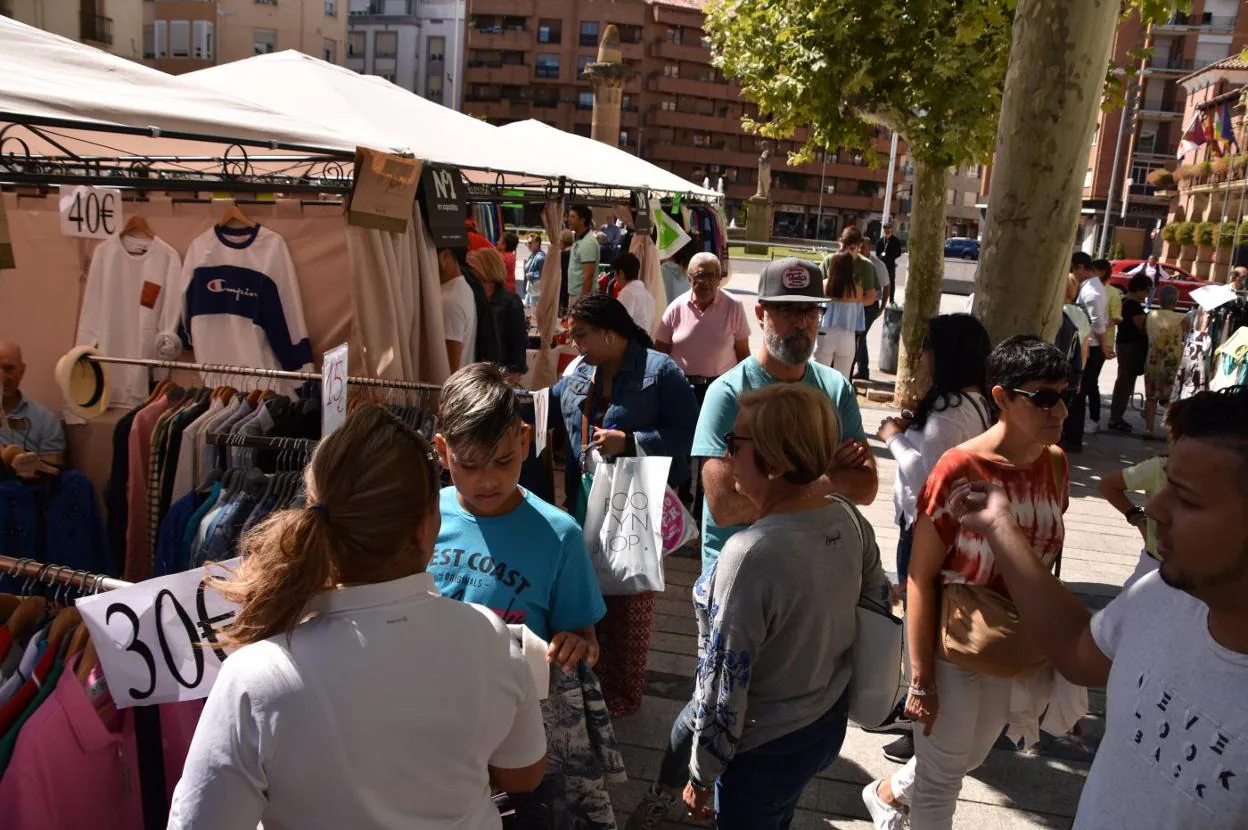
point(730, 442)
point(1046, 398)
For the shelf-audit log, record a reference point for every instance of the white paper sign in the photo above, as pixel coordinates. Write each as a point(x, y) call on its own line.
point(541, 417)
point(334, 390)
point(532, 649)
point(158, 641)
point(91, 211)
point(1210, 297)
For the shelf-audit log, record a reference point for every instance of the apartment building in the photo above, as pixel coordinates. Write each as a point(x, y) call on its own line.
point(185, 35)
point(1145, 133)
point(412, 43)
point(112, 25)
point(526, 59)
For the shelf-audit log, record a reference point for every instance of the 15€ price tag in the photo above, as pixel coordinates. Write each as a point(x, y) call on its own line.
point(159, 640)
point(334, 390)
point(91, 211)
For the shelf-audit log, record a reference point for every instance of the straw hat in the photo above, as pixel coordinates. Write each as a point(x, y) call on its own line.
point(83, 382)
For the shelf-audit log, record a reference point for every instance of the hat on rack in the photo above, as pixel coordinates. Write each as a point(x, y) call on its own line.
point(83, 382)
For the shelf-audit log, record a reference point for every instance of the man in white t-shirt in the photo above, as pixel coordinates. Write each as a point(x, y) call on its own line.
point(1172, 650)
point(459, 308)
point(634, 295)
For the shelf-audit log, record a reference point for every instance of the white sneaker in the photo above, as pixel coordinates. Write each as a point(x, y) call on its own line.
point(1093, 427)
point(653, 808)
point(883, 816)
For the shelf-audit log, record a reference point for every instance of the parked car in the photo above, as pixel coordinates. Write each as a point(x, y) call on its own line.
point(961, 247)
point(1179, 278)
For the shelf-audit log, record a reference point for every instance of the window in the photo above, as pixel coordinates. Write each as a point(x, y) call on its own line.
point(160, 39)
point(949, 197)
point(385, 45)
point(513, 58)
point(549, 31)
point(968, 198)
point(267, 2)
point(583, 130)
point(546, 97)
point(434, 87)
point(547, 65)
point(582, 62)
point(435, 47)
point(386, 76)
point(331, 8)
point(585, 101)
point(1147, 142)
point(202, 31)
point(179, 38)
point(630, 34)
point(671, 70)
point(667, 105)
point(515, 24)
point(627, 105)
point(589, 33)
point(330, 51)
point(264, 41)
point(149, 42)
point(673, 35)
point(355, 45)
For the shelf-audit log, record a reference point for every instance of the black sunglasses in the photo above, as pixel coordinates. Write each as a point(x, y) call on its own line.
point(1046, 398)
point(730, 442)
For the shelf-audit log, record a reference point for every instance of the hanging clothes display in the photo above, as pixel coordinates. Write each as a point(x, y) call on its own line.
point(1230, 362)
point(241, 302)
point(1203, 360)
point(131, 303)
point(53, 519)
point(59, 726)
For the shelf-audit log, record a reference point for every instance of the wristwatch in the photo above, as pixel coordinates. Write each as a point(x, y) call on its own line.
point(1136, 516)
point(702, 788)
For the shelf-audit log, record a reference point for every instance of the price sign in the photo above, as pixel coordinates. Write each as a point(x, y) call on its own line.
point(334, 390)
point(90, 211)
point(159, 641)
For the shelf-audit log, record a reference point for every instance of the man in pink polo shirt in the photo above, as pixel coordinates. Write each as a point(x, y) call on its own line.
point(705, 329)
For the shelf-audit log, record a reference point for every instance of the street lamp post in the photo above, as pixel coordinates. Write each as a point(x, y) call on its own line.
point(888, 184)
point(822, 178)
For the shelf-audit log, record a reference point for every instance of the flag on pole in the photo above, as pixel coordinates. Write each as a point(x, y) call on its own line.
point(671, 236)
point(1193, 137)
point(1226, 131)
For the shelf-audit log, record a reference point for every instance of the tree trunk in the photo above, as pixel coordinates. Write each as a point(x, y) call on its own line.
point(1053, 89)
point(926, 273)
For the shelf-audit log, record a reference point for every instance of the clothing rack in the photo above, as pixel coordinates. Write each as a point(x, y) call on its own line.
point(59, 575)
point(261, 442)
point(276, 374)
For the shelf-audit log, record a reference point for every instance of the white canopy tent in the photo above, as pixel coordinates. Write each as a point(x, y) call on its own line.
point(49, 80)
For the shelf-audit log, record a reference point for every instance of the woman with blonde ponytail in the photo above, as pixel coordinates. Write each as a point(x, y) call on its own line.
point(359, 697)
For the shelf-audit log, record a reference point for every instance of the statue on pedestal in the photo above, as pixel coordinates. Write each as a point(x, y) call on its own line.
point(764, 173)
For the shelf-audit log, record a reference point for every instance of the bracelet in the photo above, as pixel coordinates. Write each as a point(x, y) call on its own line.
point(922, 691)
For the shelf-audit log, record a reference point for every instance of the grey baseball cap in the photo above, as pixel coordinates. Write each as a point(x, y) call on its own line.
point(791, 280)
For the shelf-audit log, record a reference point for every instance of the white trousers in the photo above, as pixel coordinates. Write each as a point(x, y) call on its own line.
point(973, 710)
point(835, 348)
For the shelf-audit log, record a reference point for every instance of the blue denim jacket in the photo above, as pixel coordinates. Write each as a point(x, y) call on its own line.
point(645, 379)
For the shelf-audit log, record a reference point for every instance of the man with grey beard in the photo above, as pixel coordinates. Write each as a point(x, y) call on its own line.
point(790, 305)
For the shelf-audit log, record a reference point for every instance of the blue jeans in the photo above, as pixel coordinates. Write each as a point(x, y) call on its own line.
point(760, 788)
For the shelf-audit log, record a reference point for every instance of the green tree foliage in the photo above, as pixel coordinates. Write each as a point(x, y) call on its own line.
point(932, 70)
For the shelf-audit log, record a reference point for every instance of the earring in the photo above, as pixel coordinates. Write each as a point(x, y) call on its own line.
point(610, 339)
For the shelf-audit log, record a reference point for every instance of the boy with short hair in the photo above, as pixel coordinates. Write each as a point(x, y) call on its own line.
point(500, 546)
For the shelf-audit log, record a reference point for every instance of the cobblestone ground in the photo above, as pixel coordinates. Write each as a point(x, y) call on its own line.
point(1012, 790)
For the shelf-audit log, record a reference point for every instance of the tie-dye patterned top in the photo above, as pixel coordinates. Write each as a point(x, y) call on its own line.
point(1036, 498)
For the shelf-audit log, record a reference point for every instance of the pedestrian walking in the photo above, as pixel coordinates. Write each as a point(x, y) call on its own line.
point(844, 316)
point(1165, 329)
point(1131, 344)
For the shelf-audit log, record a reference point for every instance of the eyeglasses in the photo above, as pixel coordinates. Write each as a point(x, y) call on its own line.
point(700, 277)
point(794, 311)
point(730, 442)
point(1046, 398)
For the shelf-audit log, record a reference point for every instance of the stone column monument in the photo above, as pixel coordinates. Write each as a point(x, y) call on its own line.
point(607, 76)
point(758, 211)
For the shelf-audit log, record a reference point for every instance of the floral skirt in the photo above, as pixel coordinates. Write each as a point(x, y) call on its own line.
point(624, 643)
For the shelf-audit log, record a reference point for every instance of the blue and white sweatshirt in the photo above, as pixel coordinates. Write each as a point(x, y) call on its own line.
point(241, 303)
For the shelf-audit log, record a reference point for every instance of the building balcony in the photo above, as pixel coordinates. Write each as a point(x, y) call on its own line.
point(657, 117)
point(503, 8)
point(693, 53)
point(1183, 22)
point(97, 29)
point(502, 40)
point(1161, 112)
point(502, 75)
point(501, 109)
point(698, 89)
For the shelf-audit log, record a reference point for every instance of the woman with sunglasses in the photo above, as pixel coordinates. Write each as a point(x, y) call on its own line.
point(776, 619)
point(623, 399)
point(958, 713)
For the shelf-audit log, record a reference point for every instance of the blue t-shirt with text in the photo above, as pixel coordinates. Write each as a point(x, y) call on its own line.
point(529, 566)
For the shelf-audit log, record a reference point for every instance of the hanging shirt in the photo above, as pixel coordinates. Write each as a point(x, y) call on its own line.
point(241, 301)
point(529, 566)
point(131, 303)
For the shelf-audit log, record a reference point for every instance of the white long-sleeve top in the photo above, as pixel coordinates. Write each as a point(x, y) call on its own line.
point(1095, 301)
point(917, 451)
point(131, 299)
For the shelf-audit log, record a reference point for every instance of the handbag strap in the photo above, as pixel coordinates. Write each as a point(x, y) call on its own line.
point(1055, 464)
point(981, 410)
point(856, 519)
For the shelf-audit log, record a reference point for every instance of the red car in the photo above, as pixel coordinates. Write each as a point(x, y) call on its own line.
point(1179, 278)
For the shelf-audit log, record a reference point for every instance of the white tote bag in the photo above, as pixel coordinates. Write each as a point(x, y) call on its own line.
point(876, 667)
point(624, 524)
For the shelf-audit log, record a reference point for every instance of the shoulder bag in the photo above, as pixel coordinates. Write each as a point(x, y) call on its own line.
point(980, 629)
point(876, 675)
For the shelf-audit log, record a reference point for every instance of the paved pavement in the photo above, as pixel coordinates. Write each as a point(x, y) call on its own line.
point(1012, 790)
